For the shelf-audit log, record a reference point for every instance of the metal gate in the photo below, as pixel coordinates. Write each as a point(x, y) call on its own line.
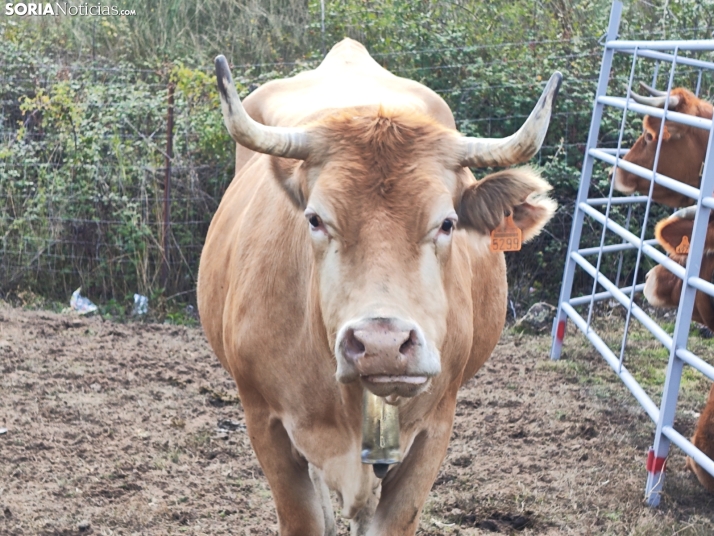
point(598, 212)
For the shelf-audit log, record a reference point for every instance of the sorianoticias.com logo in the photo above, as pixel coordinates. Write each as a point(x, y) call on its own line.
point(64, 8)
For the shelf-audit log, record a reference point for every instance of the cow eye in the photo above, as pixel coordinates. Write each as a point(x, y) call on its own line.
point(314, 220)
point(649, 137)
point(447, 226)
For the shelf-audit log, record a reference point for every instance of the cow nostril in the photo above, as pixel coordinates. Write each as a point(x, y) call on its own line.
point(352, 346)
point(408, 346)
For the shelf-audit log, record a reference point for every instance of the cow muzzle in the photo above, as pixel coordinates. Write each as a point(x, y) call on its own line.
point(650, 291)
point(389, 356)
point(618, 176)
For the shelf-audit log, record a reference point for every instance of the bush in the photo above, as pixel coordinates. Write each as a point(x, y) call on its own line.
point(84, 104)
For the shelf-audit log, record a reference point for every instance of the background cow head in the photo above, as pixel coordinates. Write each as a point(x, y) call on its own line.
point(682, 152)
point(663, 288)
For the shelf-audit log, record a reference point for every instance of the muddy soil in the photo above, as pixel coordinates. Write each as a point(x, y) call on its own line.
point(136, 429)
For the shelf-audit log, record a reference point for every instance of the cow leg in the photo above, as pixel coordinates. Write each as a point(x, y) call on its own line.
point(323, 494)
point(360, 523)
point(298, 505)
point(405, 488)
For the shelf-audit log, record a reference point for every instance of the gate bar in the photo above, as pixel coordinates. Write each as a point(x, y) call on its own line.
point(614, 248)
point(667, 182)
point(582, 300)
point(676, 117)
point(696, 362)
point(690, 62)
point(614, 362)
point(689, 449)
point(699, 44)
point(654, 254)
point(660, 334)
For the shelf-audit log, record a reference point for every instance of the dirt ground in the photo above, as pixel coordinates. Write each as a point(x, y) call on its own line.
point(136, 429)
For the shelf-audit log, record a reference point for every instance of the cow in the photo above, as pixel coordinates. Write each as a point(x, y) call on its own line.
point(664, 289)
point(681, 154)
point(352, 251)
point(703, 439)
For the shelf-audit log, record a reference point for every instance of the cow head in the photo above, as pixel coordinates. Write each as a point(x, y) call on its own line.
point(662, 287)
point(682, 151)
point(384, 194)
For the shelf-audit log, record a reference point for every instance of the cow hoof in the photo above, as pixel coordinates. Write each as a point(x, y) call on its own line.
point(380, 469)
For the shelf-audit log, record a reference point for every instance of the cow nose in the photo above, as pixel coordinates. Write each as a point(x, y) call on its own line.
point(381, 342)
point(389, 355)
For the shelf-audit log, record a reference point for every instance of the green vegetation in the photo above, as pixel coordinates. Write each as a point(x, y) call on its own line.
point(83, 119)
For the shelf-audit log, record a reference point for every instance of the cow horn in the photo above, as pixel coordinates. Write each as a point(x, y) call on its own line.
point(652, 91)
point(657, 102)
point(685, 213)
point(518, 147)
point(277, 141)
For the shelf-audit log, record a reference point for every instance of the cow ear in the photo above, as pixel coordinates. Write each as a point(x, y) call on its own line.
point(520, 192)
point(290, 175)
point(675, 234)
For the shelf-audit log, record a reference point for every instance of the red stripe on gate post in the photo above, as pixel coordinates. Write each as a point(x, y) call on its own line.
point(655, 464)
point(560, 333)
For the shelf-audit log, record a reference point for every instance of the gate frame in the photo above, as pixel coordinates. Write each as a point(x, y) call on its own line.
point(663, 416)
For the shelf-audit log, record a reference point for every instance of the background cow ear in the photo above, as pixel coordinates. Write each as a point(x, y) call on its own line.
point(288, 173)
point(671, 232)
point(518, 191)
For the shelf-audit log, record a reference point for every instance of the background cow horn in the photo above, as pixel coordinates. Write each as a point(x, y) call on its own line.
point(652, 91)
point(657, 102)
point(276, 141)
point(518, 147)
point(685, 213)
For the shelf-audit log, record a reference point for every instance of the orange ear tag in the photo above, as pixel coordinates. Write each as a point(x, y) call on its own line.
point(683, 247)
point(507, 237)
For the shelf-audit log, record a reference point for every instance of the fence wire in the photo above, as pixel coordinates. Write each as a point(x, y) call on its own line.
point(82, 160)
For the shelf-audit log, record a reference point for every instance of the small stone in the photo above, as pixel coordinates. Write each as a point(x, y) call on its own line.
point(95, 387)
point(83, 526)
point(3, 431)
point(538, 319)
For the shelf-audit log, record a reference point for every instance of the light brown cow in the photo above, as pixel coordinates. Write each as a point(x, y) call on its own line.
point(351, 252)
point(682, 152)
point(664, 289)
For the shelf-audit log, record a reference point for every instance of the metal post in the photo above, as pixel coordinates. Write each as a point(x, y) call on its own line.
point(576, 231)
point(167, 185)
point(658, 453)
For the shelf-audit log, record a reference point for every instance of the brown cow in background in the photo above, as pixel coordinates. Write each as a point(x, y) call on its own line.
point(682, 152)
point(664, 289)
point(703, 439)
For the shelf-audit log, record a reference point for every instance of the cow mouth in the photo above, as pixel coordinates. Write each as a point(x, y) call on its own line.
point(385, 378)
point(394, 385)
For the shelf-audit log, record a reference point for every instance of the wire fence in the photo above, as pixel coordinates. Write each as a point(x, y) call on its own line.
point(83, 161)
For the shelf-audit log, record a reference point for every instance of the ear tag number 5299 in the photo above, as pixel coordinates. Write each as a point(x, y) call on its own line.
point(506, 237)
